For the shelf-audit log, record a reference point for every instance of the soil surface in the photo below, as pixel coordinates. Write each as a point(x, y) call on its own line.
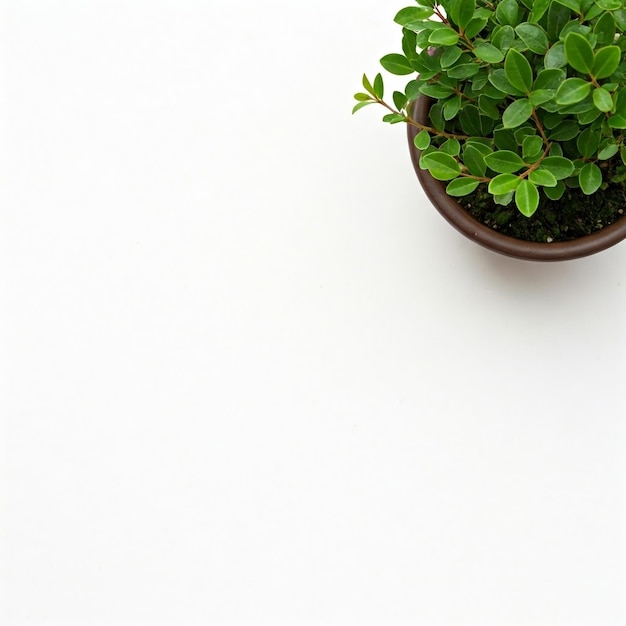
point(573, 216)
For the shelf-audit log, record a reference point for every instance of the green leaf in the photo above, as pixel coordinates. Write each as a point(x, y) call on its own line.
point(518, 71)
point(503, 183)
point(451, 147)
point(609, 5)
point(443, 37)
point(555, 57)
point(555, 193)
point(368, 86)
point(474, 160)
point(533, 36)
point(521, 133)
point(517, 113)
point(574, 5)
point(608, 150)
point(617, 121)
point(527, 198)
point(542, 177)
point(461, 11)
point(549, 79)
point(531, 146)
point(579, 53)
point(593, 12)
point(394, 118)
point(504, 162)
point(412, 14)
point(503, 37)
point(565, 131)
point(360, 105)
point(602, 100)
point(559, 166)
point(465, 70)
point(412, 90)
point(437, 92)
point(473, 123)
point(538, 10)
point(442, 166)
point(399, 99)
point(620, 19)
point(422, 140)
point(362, 97)
point(604, 29)
point(436, 116)
point(409, 44)
point(397, 64)
point(588, 142)
point(572, 90)
point(450, 56)
point(489, 107)
point(487, 52)
point(507, 12)
point(590, 178)
point(558, 16)
point(606, 61)
point(504, 199)
point(452, 107)
point(379, 87)
point(588, 117)
point(475, 26)
point(499, 80)
point(541, 96)
point(462, 186)
point(576, 27)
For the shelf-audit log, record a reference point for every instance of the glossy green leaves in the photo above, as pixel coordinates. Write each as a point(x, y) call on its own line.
point(560, 167)
point(518, 71)
point(606, 61)
point(462, 186)
point(461, 12)
point(504, 162)
point(533, 36)
point(579, 53)
point(397, 64)
point(590, 178)
point(527, 98)
point(572, 90)
point(503, 183)
point(489, 53)
point(442, 166)
point(443, 37)
point(517, 113)
point(507, 12)
point(527, 197)
point(602, 100)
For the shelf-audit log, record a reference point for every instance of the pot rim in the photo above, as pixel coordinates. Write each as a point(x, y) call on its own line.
point(485, 236)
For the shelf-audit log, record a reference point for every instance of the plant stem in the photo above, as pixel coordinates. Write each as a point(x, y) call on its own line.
point(540, 128)
point(412, 122)
point(534, 166)
point(482, 179)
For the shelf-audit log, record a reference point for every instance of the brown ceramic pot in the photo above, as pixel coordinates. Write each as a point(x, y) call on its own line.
point(489, 238)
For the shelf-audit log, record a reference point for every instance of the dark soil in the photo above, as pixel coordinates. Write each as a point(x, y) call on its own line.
point(573, 216)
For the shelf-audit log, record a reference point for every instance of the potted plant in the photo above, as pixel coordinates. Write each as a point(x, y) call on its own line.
point(516, 115)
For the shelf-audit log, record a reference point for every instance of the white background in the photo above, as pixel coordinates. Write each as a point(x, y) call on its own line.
point(249, 375)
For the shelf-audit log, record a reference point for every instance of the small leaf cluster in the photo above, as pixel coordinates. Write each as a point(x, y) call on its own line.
point(527, 98)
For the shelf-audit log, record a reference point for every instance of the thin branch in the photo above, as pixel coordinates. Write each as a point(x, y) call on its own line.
point(412, 122)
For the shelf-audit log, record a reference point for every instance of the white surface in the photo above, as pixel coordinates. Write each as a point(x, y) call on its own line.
point(248, 375)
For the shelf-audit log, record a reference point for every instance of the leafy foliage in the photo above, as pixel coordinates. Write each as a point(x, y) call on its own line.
point(527, 98)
